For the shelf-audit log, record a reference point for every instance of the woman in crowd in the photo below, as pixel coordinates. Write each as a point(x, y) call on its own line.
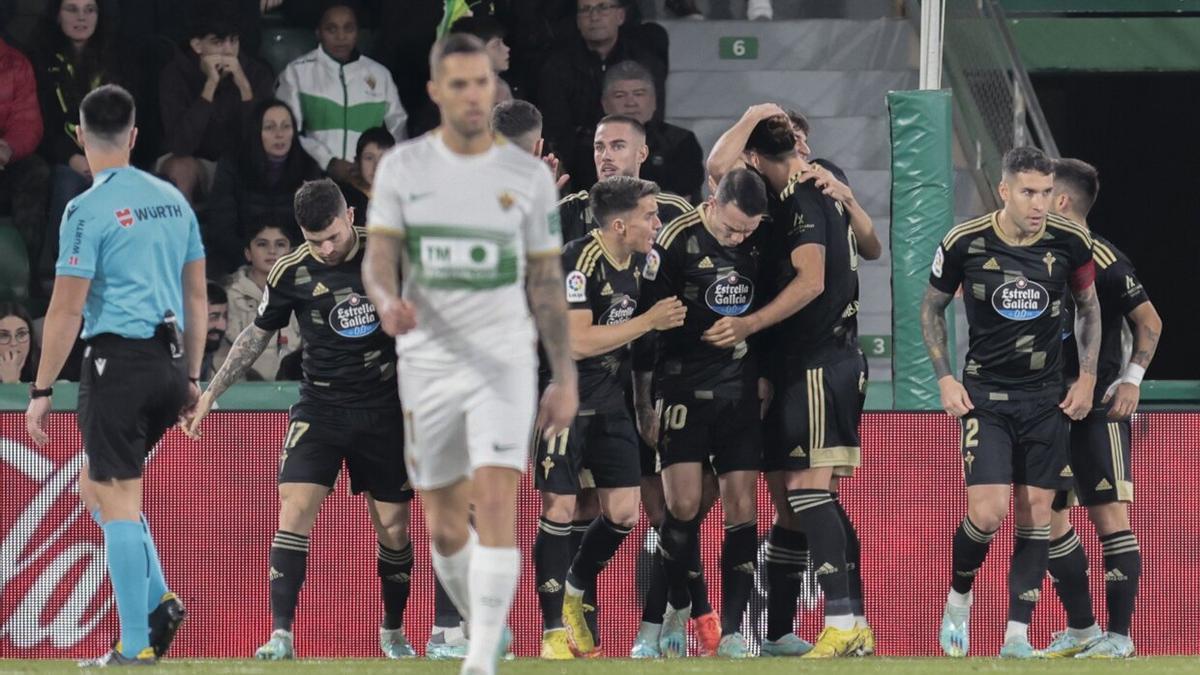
point(371, 146)
point(75, 54)
point(19, 351)
point(266, 244)
point(255, 186)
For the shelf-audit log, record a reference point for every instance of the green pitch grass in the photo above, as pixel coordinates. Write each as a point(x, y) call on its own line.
point(870, 666)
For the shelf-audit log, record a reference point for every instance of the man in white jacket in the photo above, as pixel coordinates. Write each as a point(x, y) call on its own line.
point(337, 93)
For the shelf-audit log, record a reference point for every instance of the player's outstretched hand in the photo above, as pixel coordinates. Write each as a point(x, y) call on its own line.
point(955, 400)
point(667, 313)
point(557, 410)
point(35, 420)
point(727, 332)
point(190, 420)
point(398, 316)
point(1078, 402)
point(1124, 397)
point(555, 164)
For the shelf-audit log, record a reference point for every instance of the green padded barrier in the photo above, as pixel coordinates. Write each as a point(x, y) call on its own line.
point(14, 265)
point(922, 211)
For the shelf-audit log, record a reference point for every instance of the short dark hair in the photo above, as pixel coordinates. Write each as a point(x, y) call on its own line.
point(773, 138)
point(1026, 158)
point(259, 225)
point(628, 70)
point(317, 204)
point(451, 44)
point(1081, 179)
point(516, 118)
point(107, 111)
point(616, 195)
point(216, 294)
point(378, 135)
point(798, 120)
point(744, 189)
point(483, 27)
point(215, 17)
point(327, 5)
point(623, 119)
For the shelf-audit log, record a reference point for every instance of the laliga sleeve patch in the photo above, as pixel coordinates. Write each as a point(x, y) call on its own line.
point(650, 271)
point(938, 259)
point(576, 287)
point(262, 306)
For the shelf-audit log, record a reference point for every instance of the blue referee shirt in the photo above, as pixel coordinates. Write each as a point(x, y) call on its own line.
point(131, 234)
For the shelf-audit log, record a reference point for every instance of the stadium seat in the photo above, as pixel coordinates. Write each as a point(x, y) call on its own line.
point(282, 45)
point(14, 264)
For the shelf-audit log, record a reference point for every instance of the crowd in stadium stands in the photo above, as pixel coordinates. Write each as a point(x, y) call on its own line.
point(237, 139)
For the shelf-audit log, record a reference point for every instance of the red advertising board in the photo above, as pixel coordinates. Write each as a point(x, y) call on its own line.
point(212, 506)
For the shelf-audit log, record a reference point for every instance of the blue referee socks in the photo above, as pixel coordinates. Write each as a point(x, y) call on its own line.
point(125, 548)
point(157, 582)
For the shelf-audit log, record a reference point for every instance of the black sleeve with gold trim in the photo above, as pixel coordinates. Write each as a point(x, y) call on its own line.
point(610, 292)
point(347, 359)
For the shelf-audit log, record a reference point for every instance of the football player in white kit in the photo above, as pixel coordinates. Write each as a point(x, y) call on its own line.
point(470, 222)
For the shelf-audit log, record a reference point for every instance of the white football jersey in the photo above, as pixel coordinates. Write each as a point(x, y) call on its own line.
point(468, 223)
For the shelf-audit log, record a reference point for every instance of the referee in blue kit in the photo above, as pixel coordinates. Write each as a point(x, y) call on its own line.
point(131, 267)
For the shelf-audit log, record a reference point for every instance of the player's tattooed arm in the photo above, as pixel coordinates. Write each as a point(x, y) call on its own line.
point(1087, 329)
point(1147, 330)
point(246, 349)
point(543, 288)
point(933, 329)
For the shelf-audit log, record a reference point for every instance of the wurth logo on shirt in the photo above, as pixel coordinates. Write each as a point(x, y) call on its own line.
point(124, 217)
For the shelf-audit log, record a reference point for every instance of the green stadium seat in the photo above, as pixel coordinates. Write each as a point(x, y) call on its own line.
point(281, 45)
point(14, 265)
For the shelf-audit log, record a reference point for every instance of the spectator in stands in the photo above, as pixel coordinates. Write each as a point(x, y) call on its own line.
point(218, 322)
point(76, 53)
point(357, 191)
point(571, 83)
point(337, 93)
point(255, 186)
point(23, 175)
point(207, 95)
point(676, 161)
point(244, 291)
point(490, 30)
point(19, 353)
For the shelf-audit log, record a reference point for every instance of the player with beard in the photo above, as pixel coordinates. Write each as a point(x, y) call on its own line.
point(820, 373)
point(346, 411)
point(787, 546)
point(1100, 451)
point(711, 398)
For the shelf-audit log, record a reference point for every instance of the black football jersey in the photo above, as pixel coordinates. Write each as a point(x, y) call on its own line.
point(577, 220)
point(1119, 292)
point(348, 359)
point(1015, 298)
point(610, 291)
point(713, 282)
point(802, 216)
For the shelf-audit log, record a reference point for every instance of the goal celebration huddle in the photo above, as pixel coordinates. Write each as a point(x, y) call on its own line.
point(637, 354)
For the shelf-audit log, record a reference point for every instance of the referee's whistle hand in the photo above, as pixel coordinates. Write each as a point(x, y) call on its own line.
point(398, 316)
point(35, 420)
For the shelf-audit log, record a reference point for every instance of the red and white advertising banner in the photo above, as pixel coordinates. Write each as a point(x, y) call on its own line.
point(212, 507)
